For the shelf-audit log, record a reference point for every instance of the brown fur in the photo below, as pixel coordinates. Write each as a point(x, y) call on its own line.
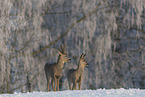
point(54, 71)
point(75, 76)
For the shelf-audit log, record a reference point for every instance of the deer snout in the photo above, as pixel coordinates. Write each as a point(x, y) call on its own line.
point(87, 64)
point(69, 59)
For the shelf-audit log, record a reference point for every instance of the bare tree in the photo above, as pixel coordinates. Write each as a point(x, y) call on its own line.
point(110, 32)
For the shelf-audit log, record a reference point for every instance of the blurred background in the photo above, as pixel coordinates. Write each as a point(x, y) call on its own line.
point(110, 32)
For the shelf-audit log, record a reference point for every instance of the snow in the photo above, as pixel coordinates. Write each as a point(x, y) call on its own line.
point(83, 93)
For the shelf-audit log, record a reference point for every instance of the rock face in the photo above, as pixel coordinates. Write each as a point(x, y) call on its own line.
point(111, 33)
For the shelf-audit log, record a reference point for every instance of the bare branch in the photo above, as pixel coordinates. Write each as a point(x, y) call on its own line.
point(72, 25)
point(66, 12)
point(135, 28)
point(26, 44)
point(26, 82)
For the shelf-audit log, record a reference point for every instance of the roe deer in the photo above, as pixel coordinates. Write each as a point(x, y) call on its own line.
point(76, 75)
point(54, 71)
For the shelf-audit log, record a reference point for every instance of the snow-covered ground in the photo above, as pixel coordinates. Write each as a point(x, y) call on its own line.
point(83, 93)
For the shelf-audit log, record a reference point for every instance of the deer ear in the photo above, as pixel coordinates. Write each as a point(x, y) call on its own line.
point(82, 56)
point(63, 48)
point(59, 52)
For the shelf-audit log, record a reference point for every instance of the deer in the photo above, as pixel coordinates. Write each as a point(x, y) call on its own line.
point(75, 76)
point(53, 71)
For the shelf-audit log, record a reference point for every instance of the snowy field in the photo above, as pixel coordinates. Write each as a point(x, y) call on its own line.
point(83, 93)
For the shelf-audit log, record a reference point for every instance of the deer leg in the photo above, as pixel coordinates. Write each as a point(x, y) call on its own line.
point(80, 79)
point(69, 84)
point(55, 83)
point(52, 83)
point(74, 86)
point(79, 85)
point(48, 84)
point(47, 78)
point(58, 83)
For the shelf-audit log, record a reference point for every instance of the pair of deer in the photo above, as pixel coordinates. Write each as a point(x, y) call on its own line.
point(54, 71)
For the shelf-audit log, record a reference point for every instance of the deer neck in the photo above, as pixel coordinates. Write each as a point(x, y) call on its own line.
point(80, 68)
point(60, 62)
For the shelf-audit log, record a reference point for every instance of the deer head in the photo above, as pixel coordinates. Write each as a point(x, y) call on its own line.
point(82, 60)
point(63, 54)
